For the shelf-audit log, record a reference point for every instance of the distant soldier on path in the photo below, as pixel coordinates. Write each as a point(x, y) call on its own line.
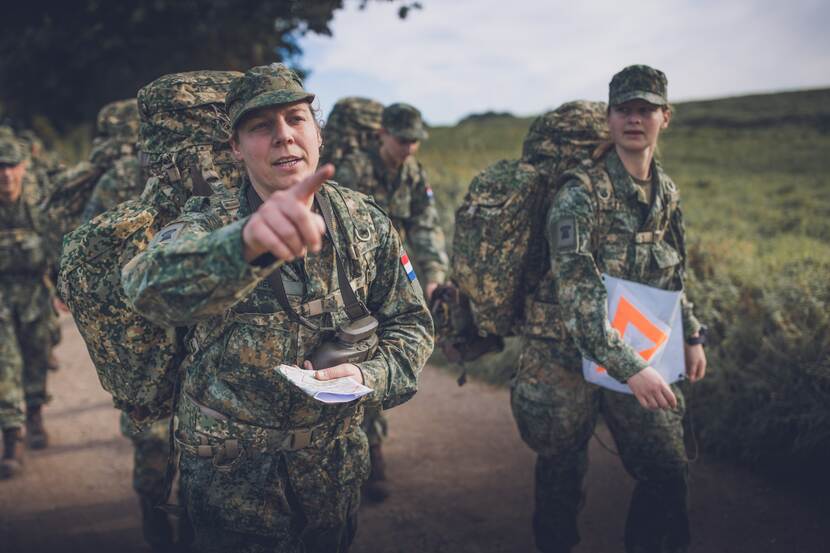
point(118, 129)
point(389, 172)
point(26, 311)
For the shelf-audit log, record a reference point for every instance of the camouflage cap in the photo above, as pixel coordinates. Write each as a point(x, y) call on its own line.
point(403, 121)
point(11, 151)
point(266, 85)
point(119, 119)
point(638, 82)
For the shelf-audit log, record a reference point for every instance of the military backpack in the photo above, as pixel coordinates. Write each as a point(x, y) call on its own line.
point(184, 131)
point(352, 125)
point(499, 251)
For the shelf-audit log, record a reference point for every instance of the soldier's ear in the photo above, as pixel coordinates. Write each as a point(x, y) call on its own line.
point(666, 116)
point(234, 142)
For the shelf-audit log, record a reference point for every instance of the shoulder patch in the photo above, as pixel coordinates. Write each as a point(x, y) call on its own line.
point(407, 267)
point(166, 234)
point(566, 234)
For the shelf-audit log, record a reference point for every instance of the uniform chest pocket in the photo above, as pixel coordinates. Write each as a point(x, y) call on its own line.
point(400, 203)
point(614, 254)
point(256, 344)
point(22, 251)
point(665, 257)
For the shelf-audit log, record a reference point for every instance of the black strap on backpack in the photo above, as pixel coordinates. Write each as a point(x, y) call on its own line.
point(355, 309)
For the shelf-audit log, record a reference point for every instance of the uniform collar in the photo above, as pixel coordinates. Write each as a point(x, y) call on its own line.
point(624, 184)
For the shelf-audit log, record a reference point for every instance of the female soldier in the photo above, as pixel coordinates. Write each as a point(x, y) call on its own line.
point(618, 216)
point(265, 467)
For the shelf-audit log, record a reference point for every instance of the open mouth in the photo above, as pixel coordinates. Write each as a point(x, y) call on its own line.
point(287, 162)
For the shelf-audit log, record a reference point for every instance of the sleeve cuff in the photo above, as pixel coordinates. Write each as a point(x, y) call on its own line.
point(627, 367)
point(691, 325)
point(375, 377)
point(260, 267)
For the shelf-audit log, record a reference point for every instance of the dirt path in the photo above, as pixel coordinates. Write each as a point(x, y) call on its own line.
point(461, 483)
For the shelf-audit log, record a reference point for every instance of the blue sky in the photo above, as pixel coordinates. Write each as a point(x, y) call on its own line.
point(457, 57)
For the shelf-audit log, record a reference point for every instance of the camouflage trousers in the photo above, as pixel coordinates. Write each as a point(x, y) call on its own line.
point(556, 411)
point(277, 501)
point(374, 425)
point(150, 452)
point(24, 362)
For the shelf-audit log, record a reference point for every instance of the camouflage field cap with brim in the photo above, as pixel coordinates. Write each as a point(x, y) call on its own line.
point(262, 86)
point(11, 151)
point(403, 121)
point(638, 82)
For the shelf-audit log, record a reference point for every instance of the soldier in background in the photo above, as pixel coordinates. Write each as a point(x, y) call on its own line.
point(116, 152)
point(26, 313)
point(389, 172)
point(43, 165)
point(632, 229)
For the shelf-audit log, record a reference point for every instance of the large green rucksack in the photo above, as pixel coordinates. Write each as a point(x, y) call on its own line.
point(352, 125)
point(184, 131)
point(499, 251)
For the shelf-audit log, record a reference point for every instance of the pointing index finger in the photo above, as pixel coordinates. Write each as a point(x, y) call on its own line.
point(306, 188)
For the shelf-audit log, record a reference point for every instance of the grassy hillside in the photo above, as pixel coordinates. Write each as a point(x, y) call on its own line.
point(754, 175)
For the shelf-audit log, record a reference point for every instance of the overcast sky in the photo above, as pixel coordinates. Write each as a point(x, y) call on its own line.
point(456, 57)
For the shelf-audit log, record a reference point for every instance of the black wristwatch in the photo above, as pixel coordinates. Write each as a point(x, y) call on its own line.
point(700, 339)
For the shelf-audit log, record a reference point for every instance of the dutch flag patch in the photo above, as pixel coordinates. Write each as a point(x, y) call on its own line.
point(429, 193)
point(407, 266)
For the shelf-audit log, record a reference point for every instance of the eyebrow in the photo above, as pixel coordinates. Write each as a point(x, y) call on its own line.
point(294, 109)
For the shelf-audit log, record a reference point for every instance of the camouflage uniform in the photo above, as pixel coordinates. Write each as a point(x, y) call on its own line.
point(275, 471)
point(25, 304)
point(115, 151)
point(594, 228)
point(407, 198)
point(36, 188)
point(353, 125)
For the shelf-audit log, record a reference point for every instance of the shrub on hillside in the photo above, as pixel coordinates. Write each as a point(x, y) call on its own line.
point(766, 395)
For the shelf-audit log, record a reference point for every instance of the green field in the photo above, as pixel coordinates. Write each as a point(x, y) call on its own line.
point(754, 175)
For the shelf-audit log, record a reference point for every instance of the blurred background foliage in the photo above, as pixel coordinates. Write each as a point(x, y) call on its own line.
point(61, 61)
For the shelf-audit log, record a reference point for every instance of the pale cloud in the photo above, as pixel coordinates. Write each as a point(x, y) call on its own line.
point(456, 57)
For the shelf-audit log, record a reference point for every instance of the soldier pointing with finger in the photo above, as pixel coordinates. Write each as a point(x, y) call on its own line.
point(264, 466)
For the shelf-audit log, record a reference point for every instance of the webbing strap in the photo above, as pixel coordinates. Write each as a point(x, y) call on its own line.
point(649, 237)
point(353, 306)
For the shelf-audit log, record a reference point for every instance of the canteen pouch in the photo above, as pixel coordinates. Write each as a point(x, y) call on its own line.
point(21, 252)
point(353, 342)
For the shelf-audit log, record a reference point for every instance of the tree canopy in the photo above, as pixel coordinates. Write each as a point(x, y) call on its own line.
point(64, 60)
